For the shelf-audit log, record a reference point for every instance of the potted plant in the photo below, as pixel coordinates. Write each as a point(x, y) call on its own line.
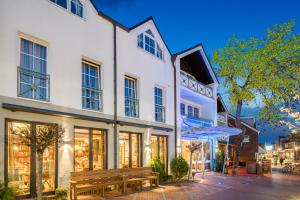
point(7, 193)
point(61, 193)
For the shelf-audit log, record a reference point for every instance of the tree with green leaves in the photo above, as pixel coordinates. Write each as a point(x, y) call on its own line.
point(39, 141)
point(265, 70)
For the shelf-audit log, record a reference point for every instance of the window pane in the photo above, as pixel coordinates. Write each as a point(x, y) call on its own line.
point(18, 160)
point(163, 149)
point(124, 150)
point(62, 3)
point(81, 150)
point(135, 142)
point(182, 109)
point(99, 149)
point(154, 147)
point(190, 111)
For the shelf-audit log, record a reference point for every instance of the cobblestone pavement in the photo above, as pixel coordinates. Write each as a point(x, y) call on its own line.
point(217, 187)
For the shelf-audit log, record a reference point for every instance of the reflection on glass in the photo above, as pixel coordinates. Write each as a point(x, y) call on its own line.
point(82, 149)
point(98, 149)
point(18, 160)
point(159, 148)
point(163, 150)
point(197, 156)
point(135, 150)
point(124, 150)
point(154, 147)
point(130, 150)
point(48, 166)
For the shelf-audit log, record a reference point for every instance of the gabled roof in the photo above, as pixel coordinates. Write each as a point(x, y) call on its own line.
point(147, 20)
point(198, 47)
point(245, 124)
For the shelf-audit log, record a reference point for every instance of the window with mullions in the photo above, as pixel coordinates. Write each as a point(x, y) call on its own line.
point(91, 92)
point(196, 112)
point(147, 42)
point(62, 3)
point(182, 109)
point(130, 150)
point(149, 45)
point(131, 101)
point(32, 73)
point(74, 6)
point(159, 105)
point(190, 111)
point(90, 149)
point(159, 149)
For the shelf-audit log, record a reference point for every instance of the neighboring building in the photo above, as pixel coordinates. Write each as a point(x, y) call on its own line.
point(250, 143)
point(197, 104)
point(289, 148)
point(118, 92)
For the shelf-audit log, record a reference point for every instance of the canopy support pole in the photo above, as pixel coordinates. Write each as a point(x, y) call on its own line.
point(226, 154)
point(202, 158)
point(197, 155)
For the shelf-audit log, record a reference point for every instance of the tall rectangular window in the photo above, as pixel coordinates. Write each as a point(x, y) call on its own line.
point(76, 7)
point(140, 40)
point(159, 148)
point(149, 45)
point(32, 73)
point(159, 53)
point(190, 111)
point(130, 150)
point(196, 112)
point(159, 105)
point(91, 92)
point(90, 149)
point(21, 159)
point(131, 102)
point(182, 109)
point(62, 3)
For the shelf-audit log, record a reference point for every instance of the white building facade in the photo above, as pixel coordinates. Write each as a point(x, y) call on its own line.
point(116, 91)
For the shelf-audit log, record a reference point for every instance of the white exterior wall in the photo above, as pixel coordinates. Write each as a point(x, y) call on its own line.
point(148, 70)
point(69, 38)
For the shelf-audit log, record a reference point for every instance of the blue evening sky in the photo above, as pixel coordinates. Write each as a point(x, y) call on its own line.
point(210, 22)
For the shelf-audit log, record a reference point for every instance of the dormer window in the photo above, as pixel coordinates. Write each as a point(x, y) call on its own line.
point(74, 6)
point(147, 42)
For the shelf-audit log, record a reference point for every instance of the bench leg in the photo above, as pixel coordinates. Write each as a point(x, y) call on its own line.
point(75, 193)
point(102, 193)
point(124, 187)
point(141, 185)
point(71, 195)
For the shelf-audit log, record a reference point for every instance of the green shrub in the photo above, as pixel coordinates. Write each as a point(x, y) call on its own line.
point(179, 167)
point(157, 166)
point(219, 161)
point(61, 193)
point(7, 193)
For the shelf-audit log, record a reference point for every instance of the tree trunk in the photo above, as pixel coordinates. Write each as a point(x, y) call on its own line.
point(39, 185)
point(190, 170)
point(238, 125)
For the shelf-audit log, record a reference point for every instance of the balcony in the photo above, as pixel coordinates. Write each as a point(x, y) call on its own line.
point(191, 83)
point(197, 121)
point(33, 85)
point(131, 107)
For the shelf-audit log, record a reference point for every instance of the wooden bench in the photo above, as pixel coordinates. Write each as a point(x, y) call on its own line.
point(95, 182)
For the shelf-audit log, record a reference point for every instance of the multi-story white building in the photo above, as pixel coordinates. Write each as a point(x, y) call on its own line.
point(197, 106)
point(118, 92)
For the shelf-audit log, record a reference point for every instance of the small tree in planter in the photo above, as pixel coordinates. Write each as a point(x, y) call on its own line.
point(39, 141)
point(157, 166)
point(179, 167)
point(61, 193)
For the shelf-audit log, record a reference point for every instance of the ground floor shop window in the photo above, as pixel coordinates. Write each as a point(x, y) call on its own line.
point(197, 156)
point(130, 150)
point(21, 161)
point(159, 148)
point(90, 149)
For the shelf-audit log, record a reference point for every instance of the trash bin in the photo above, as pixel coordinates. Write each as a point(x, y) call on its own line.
point(251, 167)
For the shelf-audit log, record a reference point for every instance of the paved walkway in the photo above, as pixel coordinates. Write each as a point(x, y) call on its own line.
point(216, 187)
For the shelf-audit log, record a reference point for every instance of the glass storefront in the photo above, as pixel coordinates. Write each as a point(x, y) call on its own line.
point(20, 156)
point(130, 150)
point(197, 155)
point(90, 149)
point(159, 148)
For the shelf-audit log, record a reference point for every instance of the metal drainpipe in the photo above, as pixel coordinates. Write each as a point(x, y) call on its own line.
point(175, 106)
point(115, 99)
